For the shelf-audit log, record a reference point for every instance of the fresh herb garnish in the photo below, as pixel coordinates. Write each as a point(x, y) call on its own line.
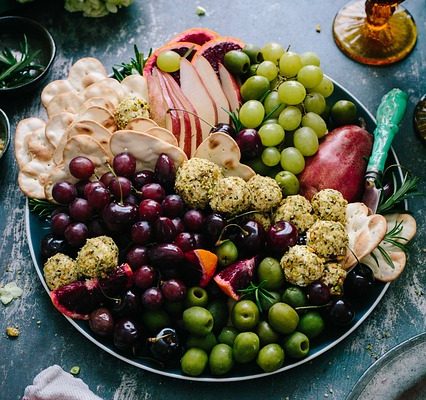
point(408, 188)
point(235, 120)
point(42, 208)
point(15, 69)
point(263, 297)
point(134, 67)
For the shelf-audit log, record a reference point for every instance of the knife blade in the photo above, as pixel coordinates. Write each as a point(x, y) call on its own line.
point(389, 115)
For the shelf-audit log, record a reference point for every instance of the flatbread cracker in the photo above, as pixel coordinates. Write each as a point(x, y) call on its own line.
point(31, 186)
point(365, 232)
point(103, 102)
point(23, 132)
point(99, 88)
point(100, 115)
point(136, 86)
point(163, 134)
point(70, 102)
point(85, 72)
point(56, 127)
point(145, 148)
point(141, 124)
point(54, 88)
point(382, 270)
point(38, 145)
point(221, 149)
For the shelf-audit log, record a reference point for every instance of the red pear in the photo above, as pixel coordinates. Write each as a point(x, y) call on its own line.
point(339, 164)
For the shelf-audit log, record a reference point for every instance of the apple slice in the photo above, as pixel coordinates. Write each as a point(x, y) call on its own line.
point(194, 135)
point(194, 90)
point(230, 88)
point(214, 87)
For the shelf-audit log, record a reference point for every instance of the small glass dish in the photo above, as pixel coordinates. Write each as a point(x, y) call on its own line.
point(4, 133)
point(13, 30)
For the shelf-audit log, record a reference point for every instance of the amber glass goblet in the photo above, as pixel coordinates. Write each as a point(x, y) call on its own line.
point(375, 32)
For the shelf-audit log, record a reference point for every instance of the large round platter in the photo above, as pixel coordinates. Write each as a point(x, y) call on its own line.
point(36, 229)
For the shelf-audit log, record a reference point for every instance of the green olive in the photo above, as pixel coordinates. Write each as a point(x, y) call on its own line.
point(343, 112)
point(245, 315)
point(266, 334)
point(227, 335)
point(294, 296)
point(253, 52)
point(270, 357)
point(194, 362)
point(237, 62)
point(221, 360)
point(296, 345)
point(196, 296)
point(198, 321)
point(202, 342)
point(283, 318)
point(245, 347)
point(311, 324)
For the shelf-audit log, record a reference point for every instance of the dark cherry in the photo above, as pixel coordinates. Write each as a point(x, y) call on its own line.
point(359, 282)
point(124, 164)
point(89, 186)
point(81, 186)
point(106, 178)
point(164, 230)
point(249, 142)
point(152, 298)
point(101, 322)
point(165, 255)
point(193, 220)
point(318, 293)
point(179, 226)
point(59, 223)
point(51, 245)
point(141, 232)
point(118, 216)
point(153, 191)
point(128, 305)
point(173, 206)
point(165, 172)
point(149, 210)
point(252, 239)
point(81, 167)
point(165, 346)
point(225, 128)
point(144, 277)
point(120, 187)
point(213, 226)
point(76, 234)
point(341, 313)
point(137, 256)
point(127, 336)
point(80, 210)
point(281, 236)
point(173, 290)
point(64, 192)
point(142, 178)
point(98, 197)
point(96, 227)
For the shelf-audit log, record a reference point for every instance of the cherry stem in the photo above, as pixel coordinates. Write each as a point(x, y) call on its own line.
point(192, 113)
point(243, 215)
point(156, 339)
point(220, 241)
point(313, 307)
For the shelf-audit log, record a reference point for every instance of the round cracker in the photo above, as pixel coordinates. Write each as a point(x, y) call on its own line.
point(54, 88)
point(23, 132)
point(100, 115)
point(85, 72)
point(99, 88)
point(100, 102)
point(69, 102)
point(141, 124)
point(163, 134)
point(221, 149)
point(136, 86)
point(56, 127)
point(145, 148)
point(30, 186)
point(38, 145)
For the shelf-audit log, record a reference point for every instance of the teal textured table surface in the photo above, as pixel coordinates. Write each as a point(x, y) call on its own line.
point(47, 338)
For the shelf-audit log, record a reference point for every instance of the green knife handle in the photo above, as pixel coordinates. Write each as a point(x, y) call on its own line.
point(389, 115)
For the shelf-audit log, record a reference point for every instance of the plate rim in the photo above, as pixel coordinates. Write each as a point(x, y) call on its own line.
point(218, 379)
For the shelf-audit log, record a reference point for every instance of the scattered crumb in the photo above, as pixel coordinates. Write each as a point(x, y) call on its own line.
point(12, 332)
point(325, 394)
point(200, 11)
point(318, 28)
point(75, 370)
point(10, 292)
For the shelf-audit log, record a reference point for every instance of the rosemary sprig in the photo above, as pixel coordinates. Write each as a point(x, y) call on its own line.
point(42, 208)
point(18, 69)
point(235, 120)
point(408, 188)
point(262, 296)
point(134, 67)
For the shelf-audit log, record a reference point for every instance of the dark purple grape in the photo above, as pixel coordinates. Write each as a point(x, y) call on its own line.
point(178, 223)
point(149, 210)
point(165, 346)
point(164, 230)
point(120, 187)
point(249, 142)
point(51, 245)
point(98, 197)
point(359, 282)
point(152, 298)
point(141, 232)
point(80, 210)
point(141, 178)
point(341, 313)
point(144, 277)
point(127, 336)
point(101, 322)
point(89, 186)
point(118, 216)
point(225, 128)
point(173, 290)
point(81, 167)
point(252, 240)
point(213, 226)
point(281, 236)
point(76, 234)
point(173, 206)
point(106, 178)
point(165, 172)
point(96, 228)
point(153, 191)
point(127, 306)
point(137, 256)
point(165, 255)
point(124, 164)
point(186, 241)
point(193, 220)
point(64, 192)
point(59, 222)
point(318, 293)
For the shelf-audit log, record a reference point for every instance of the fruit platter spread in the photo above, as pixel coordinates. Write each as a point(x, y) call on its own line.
point(204, 205)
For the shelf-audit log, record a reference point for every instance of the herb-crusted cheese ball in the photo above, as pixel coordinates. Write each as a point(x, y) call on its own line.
point(59, 270)
point(301, 265)
point(97, 257)
point(265, 193)
point(329, 205)
point(297, 210)
point(230, 196)
point(334, 277)
point(328, 239)
point(130, 108)
point(195, 181)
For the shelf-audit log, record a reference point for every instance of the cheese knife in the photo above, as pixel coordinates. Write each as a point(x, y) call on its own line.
point(389, 115)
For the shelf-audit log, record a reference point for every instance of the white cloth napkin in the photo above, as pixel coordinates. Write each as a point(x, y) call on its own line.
point(54, 383)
